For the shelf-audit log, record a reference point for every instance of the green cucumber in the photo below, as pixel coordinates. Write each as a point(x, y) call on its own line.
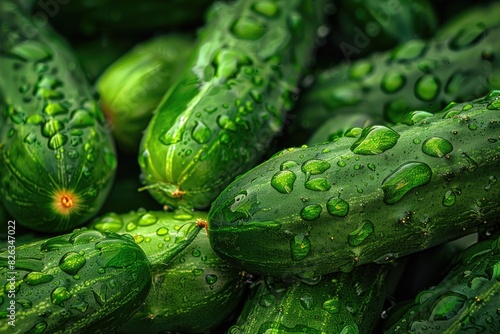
point(467, 300)
point(418, 74)
point(194, 290)
point(388, 193)
point(221, 114)
point(132, 87)
point(338, 303)
point(57, 157)
point(85, 281)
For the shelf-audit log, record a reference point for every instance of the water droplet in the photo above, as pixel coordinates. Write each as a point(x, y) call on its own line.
point(266, 300)
point(472, 163)
point(466, 37)
point(147, 220)
point(82, 119)
point(449, 198)
point(31, 49)
point(59, 295)
point(35, 278)
point(201, 133)
point(311, 212)
point(197, 272)
point(356, 237)
point(110, 221)
point(51, 127)
point(360, 70)
point(283, 181)
point(35, 119)
point(332, 306)
point(405, 178)
point(211, 279)
point(248, 28)
point(54, 244)
point(226, 123)
point(409, 50)
point(472, 126)
point(266, 8)
point(314, 167)
point(427, 87)
point(414, 117)
point(371, 167)
point(30, 138)
point(319, 184)
point(491, 181)
point(71, 263)
point(101, 271)
point(437, 147)
point(337, 207)
point(162, 231)
point(341, 163)
point(39, 328)
point(447, 306)
point(375, 140)
point(392, 81)
point(58, 140)
point(306, 301)
point(300, 245)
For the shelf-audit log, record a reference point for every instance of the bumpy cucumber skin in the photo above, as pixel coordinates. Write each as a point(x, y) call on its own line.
point(467, 300)
point(85, 281)
point(194, 289)
point(415, 75)
point(132, 87)
point(405, 191)
point(338, 303)
point(57, 158)
point(218, 118)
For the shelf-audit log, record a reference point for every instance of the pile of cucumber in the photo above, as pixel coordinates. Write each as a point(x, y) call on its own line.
point(249, 166)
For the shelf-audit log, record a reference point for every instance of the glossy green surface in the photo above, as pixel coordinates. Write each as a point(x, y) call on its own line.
point(467, 300)
point(402, 192)
point(85, 281)
point(57, 158)
point(337, 303)
point(132, 87)
point(219, 117)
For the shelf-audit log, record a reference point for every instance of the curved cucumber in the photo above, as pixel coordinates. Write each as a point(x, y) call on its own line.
point(338, 303)
point(417, 74)
point(189, 280)
point(132, 87)
point(57, 158)
point(388, 193)
point(467, 300)
point(218, 118)
point(85, 281)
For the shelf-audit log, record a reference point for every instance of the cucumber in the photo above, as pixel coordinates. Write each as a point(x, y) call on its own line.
point(131, 88)
point(81, 282)
point(338, 303)
point(418, 74)
point(388, 193)
point(57, 157)
point(189, 279)
point(217, 119)
point(466, 300)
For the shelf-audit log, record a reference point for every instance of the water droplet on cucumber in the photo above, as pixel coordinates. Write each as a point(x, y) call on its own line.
point(337, 207)
point(311, 212)
point(71, 263)
point(359, 235)
point(427, 87)
point(34, 278)
point(375, 139)
point(405, 178)
point(437, 147)
point(307, 301)
point(248, 28)
point(201, 133)
point(60, 295)
point(392, 81)
point(283, 181)
point(300, 245)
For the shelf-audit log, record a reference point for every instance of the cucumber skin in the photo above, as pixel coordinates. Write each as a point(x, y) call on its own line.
point(357, 87)
point(124, 284)
point(247, 228)
point(473, 281)
point(35, 177)
point(338, 303)
point(133, 85)
point(180, 296)
point(250, 86)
